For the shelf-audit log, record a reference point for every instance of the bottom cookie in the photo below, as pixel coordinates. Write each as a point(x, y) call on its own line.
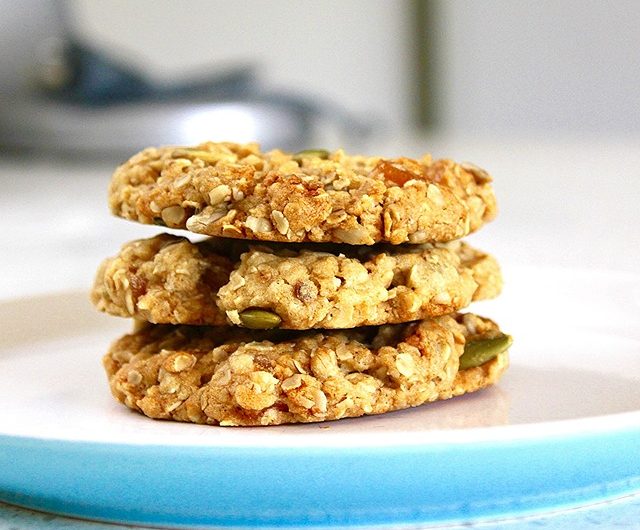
point(231, 376)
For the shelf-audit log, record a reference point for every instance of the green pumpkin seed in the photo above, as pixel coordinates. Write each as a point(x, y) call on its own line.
point(478, 352)
point(259, 319)
point(309, 153)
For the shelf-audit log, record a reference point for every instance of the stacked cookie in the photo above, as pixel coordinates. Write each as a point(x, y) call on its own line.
point(328, 285)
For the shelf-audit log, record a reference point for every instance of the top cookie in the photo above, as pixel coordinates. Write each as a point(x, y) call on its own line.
point(235, 190)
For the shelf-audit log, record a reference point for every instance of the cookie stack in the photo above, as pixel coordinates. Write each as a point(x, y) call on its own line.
point(328, 285)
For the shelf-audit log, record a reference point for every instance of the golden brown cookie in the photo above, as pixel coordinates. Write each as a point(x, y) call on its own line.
point(169, 280)
point(238, 191)
point(230, 376)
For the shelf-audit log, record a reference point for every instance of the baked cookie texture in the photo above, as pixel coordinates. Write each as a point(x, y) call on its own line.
point(238, 191)
point(354, 261)
point(170, 280)
point(164, 279)
point(230, 376)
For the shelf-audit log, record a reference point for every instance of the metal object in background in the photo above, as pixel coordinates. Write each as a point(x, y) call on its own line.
point(58, 94)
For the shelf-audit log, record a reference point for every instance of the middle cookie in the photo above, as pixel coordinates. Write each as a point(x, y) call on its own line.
point(169, 280)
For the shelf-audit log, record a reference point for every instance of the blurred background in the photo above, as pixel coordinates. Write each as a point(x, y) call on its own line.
point(109, 76)
point(544, 94)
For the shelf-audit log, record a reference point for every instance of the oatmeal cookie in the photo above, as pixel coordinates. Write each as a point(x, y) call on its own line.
point(170, 280)
point(223, 376)
point(237, 191)
point(164, 279)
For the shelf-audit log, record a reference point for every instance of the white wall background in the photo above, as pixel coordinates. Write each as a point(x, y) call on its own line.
point(353, 52)
point(504, 66)
point(569, 66)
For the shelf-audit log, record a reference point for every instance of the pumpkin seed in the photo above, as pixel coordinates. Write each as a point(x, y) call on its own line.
point(259, 319)
point(310, 153)
point(478, 352)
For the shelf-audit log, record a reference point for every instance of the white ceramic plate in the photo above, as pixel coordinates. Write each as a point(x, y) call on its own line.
point(562, 428)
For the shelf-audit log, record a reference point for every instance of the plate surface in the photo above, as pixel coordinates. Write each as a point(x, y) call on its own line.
point(561, 429)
